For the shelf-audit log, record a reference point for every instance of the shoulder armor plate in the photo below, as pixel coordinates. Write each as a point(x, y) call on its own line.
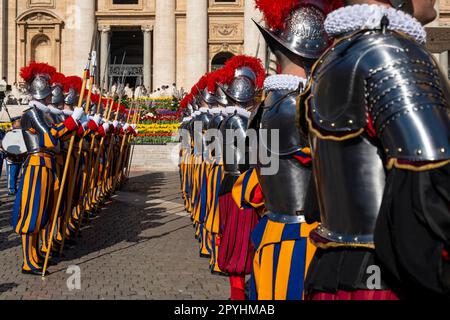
point(390, 80)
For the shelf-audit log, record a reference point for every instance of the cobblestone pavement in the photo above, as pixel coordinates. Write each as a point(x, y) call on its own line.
point(141, 246)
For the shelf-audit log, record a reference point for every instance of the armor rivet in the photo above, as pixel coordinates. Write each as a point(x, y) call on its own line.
point(340, 238)
point(333, 125)
point(317, 45)
point(400, 150)
point(350, 121)
point(321, 121)
point(356, 239)
point(387, 150)
point(419, 152)
point(442, 150)
point(329, 234)
point(307, 45)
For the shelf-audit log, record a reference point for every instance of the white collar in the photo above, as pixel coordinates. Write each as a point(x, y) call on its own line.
point(39, 105)
point(283, 82)
point(204, 110)
point(368, 16)
point(54, 110)
point(67, 113)
point(239, 111)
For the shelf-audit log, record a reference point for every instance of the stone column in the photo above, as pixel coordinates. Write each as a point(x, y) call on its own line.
point(253, 40)
point(104, 56)
point(147, 30)
point(164, 72)
point(196, 40)
point(3, 39)
point(83, 27)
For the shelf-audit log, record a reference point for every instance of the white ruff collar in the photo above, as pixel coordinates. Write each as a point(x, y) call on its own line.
point(39, 105)
point(365, 16)
point(67, 112)
point(283, 82)
point(54, 110)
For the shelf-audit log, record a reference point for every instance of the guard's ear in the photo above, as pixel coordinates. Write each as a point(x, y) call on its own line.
point(404, 5)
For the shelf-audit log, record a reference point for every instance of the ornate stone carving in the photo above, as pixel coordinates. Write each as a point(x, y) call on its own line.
point(225, 30)
point(230, 29)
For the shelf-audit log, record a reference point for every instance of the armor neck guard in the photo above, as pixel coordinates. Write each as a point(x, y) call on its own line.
point(238, 110)
point(368, 17)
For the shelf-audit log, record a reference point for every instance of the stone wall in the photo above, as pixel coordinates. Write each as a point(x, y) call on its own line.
point(155, 158)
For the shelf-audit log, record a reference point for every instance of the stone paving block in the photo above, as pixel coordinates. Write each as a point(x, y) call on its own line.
point(132, 250)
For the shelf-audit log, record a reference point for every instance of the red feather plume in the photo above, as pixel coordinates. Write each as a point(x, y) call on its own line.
point(237, 62)
point(218, 76)
point(73, 82)
point(34, 68)
point(58, 78)
point(186, 100)
point(277, 11)
point(95, 98)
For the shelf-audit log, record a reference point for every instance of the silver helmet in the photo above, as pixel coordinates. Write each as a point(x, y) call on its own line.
point(404, 5)
point(243, 87)
point(221, 97)
point(208, 97)
point(304, 34)
point(40, 88)
point(57, 95)
point(71, 97)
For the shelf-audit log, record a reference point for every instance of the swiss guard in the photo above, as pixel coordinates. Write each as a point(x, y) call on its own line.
point(244, 76)
point(380, 138)
point(36, 195)
point(295, 34)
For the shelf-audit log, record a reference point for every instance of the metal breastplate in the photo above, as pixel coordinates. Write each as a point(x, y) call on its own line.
point(280, 114)
point(206, 120)
point(233, 151)
point(215, 123)
point(284, 191)
point(350, 180)
point(197, 135)
point(31, 141)
point(36, 120)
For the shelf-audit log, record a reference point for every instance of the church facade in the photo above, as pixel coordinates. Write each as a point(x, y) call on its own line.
point(159, 41)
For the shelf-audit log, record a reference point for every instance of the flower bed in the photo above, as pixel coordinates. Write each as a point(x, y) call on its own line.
point(157, 133)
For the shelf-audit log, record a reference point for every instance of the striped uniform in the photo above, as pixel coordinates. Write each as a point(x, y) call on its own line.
point(212, 223)
point(283, 255)
point(36, 197)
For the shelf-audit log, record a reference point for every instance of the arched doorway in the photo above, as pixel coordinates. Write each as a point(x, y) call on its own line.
point(220, 59)
point(41, 49)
